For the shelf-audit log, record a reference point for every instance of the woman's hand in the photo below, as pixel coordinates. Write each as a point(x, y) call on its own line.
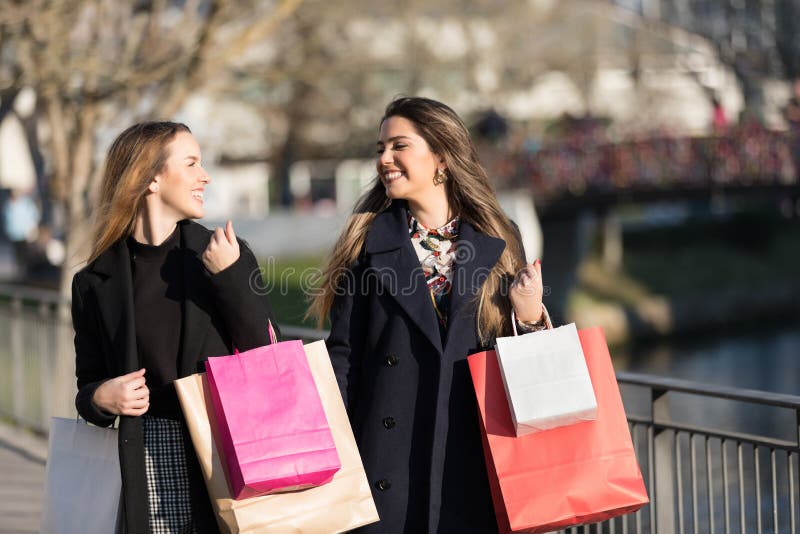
point(526, 293)
point(222, 250)
point(123, 395)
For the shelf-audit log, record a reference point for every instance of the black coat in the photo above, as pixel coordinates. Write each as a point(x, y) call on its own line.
point(409, 395)
point(219, 311)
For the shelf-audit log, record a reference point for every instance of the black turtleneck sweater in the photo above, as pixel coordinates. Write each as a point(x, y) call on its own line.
point(158, 315)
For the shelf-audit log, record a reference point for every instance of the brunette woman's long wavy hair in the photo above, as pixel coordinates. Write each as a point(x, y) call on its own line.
point(136, 156)
point(469, 195)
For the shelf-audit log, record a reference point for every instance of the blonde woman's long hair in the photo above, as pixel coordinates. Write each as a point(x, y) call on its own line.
point(137, 155)
point(469, 195)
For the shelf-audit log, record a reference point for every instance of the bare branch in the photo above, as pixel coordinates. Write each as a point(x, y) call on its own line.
point(202, 64)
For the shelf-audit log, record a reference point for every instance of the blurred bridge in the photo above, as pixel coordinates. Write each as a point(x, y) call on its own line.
point(585, 172)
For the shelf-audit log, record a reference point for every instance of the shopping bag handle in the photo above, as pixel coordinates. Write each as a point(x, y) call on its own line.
point(272, 337)
point(78, 419)
point(548, 324)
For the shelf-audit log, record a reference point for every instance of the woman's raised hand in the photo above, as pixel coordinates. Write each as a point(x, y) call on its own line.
point(123, 395)
point(526, 293)
point(222, 250)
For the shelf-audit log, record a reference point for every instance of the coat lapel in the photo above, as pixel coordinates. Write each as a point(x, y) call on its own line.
point(197, 297)
point(476, 254)
point(399, 272)
point(115, 303)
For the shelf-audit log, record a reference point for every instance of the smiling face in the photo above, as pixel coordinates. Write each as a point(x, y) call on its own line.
point(181, 184)
point(406, 166)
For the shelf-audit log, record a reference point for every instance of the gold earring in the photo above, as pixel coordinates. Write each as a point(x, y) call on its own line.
point(440, 177)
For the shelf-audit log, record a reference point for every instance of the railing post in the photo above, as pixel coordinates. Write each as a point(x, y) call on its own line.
point(45, 348)
point(64, 375)
point(17, 361)
point(794, 472)
point(664, 455)
point(612, 241)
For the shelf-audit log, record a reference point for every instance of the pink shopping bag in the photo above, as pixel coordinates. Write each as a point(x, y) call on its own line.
point(271, 424)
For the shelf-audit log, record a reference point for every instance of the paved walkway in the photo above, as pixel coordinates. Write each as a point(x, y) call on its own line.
point(22, 461)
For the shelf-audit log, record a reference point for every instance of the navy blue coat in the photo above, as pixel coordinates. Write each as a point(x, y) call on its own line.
point(408, 392)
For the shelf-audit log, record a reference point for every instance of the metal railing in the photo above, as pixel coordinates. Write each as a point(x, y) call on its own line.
point(37, 356)
point(700, 478)
point(704, 478)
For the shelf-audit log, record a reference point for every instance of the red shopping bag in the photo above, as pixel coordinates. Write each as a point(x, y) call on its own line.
point(581, 473)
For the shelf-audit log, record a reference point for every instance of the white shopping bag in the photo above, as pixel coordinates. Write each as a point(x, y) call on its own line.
point(83, 482)
point(546, 379)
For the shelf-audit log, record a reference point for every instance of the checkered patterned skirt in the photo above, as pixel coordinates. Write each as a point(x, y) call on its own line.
point(168, 496)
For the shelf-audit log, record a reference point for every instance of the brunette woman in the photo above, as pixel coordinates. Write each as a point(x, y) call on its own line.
point(427, 271)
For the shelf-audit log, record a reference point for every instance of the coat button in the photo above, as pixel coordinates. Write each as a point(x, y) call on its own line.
point(383, 484)
point(392, 359)
point(389, 422)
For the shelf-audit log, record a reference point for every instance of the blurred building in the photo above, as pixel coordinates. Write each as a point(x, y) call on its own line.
point(238, 189)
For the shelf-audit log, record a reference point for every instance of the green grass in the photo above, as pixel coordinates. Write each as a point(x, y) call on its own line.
point(290, 281)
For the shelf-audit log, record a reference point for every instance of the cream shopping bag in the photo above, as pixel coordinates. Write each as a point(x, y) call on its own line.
point(343, 504)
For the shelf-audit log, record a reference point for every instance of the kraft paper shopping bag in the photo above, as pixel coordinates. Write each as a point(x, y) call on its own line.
point(343, 504)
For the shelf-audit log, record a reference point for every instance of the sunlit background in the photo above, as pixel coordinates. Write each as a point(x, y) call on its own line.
point(648, 149)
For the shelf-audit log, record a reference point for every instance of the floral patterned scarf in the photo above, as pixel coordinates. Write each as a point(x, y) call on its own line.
point(436, 249)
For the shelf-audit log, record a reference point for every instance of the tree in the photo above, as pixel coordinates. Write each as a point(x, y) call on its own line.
point(97, 64)
point(758, 39)
point(332, 67)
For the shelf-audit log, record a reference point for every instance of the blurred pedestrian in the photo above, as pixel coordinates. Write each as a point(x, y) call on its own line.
point(20, 220)
point(792, 110)
point(45, 257)
point(719, 118)
point(492, 126)
point(159, 295)
point(428, 270)
point(792, 115)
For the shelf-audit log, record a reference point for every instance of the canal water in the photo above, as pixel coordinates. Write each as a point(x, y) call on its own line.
point(765, 359)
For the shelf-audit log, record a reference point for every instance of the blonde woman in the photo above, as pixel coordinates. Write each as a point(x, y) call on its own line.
point(159, 294)
point(427, 271)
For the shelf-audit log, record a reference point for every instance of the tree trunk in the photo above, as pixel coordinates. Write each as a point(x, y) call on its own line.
point(78, 231)
point(7, 98)
point(286, 155)
point(31, 127)
point(60, 146)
